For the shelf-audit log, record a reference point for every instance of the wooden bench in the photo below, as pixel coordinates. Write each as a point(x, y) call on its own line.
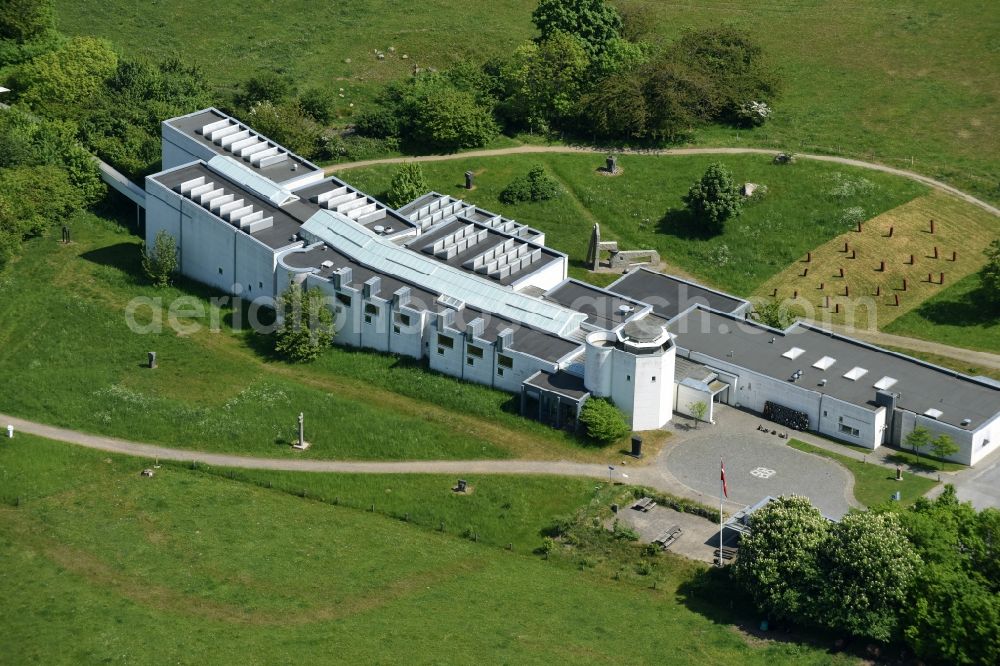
point(727, 553)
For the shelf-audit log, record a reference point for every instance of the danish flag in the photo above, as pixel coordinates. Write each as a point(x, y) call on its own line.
point(725, 491)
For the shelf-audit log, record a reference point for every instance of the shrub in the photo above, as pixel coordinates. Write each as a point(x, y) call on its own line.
point(535, 186)
point(624, 532)
point(753, 114)
point(605, 423)
point(407, 184)
point(160, 261)
point(318, 104)
point(378, 123)
point(306, 324)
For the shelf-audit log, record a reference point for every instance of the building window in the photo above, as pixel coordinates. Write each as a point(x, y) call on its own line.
point(473, 350)
point(403, 319)
point(441, 351)
point(371, 309)
point(368, 319)
point(824, 412)
point(446, 341)
point(654, 379)
point(504, 361)
point(220, 270)
point(344, 298)
point(260, 285)
point(848, 430)
point(628, 378)
point(469, 360)
point(500, 372)
point(395, 329)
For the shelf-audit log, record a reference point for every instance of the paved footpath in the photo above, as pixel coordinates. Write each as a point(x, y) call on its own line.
point(644, 475)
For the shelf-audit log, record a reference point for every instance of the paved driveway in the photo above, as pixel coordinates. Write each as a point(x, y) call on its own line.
point(757, 464)
point(981, 484)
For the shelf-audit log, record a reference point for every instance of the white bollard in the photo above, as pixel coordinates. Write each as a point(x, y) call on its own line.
point(10, 432)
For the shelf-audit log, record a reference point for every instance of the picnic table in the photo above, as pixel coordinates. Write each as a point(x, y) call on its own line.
point(727, 553)
point(644, 505)
point(667, 539)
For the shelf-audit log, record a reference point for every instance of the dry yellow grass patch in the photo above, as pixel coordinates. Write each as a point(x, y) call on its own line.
point(865, 297)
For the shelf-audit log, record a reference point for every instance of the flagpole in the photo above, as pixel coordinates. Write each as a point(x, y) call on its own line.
point(722, 490)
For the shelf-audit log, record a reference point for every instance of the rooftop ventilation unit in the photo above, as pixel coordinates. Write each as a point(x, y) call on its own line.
point(933, 413)
point(966, 422)
point(855, 373)
point(794, 353)
point(625, 309)
point(822, 382)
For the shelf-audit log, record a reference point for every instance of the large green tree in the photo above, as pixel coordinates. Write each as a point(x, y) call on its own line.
point(777, 561)
point(715, 198)
point(867, 566)
point(595, 22)
point(306, 327)
point(71, 77)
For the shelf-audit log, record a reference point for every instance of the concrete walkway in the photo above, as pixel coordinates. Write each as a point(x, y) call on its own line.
point(646, 476)
point(521, 150)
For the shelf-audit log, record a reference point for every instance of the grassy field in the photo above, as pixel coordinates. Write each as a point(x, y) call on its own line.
point(865, 296)
point(101, 565)
point(908, 85)
point(948, 362)
point(953, 316)
point(68, 358)
point(873, 484)
point(642, 208)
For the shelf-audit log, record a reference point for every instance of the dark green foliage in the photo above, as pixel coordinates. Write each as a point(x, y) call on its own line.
point(989, 276)
point(306, 327)
point(24, 20)
point(160, 261)
point(62, 82)
point(122, 123)
point(918, 439)
point(289, 125)
point(407, 184)
point(773, 314)
point(617, 108)
point(604, 422)
point(266, 86)
point(943, 446)
point(318, 104)
point(536, 185)
point(715, 198)
point(593, 22)
point(379, 123)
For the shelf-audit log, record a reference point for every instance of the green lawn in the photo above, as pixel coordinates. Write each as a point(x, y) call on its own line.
point(954, 317)
point(101, 565)
point(68, 358)
point(642, 208)
point(873, 484)
point(909, 85)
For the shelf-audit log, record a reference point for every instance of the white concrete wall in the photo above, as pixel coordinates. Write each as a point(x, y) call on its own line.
point(985, 441)
point(375, 333)
point(965, 439)
point(524, 367)
point(869, 422)
point(162, 212)
point(255, 268)
point(480, 370)
point(685, 396)
point(410, 339)
point(442, 359)
point(642, 386)
point(548, 277)
point(178, 148)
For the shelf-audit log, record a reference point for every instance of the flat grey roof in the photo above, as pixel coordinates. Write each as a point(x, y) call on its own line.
point(560, 382)
point(304, 208)
point(601, 306)
point(920, 386)
point(669, 295)
point(280, 172)
point(276, 237)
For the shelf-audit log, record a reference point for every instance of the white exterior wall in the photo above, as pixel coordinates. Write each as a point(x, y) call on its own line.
point(482, 370)
point(549, 276)
point(375, 333)
point(964, 438)
point(642, 386)
point(178, 148)
point(685, 395)
point(410, 339)
point(162, 212)
point(869, 422)
point(255, 268)
point(524, 367)
point(985, 441)
point(346, 320)
point(598, 365)
point(449, 361)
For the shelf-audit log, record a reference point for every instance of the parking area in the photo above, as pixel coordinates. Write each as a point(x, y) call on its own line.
point(757, 463)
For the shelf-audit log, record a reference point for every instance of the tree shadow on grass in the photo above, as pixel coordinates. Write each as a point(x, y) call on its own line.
point(910, 464)
point(713, 594)
point(681, 223)
point(969, 310)
point(122, 256)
